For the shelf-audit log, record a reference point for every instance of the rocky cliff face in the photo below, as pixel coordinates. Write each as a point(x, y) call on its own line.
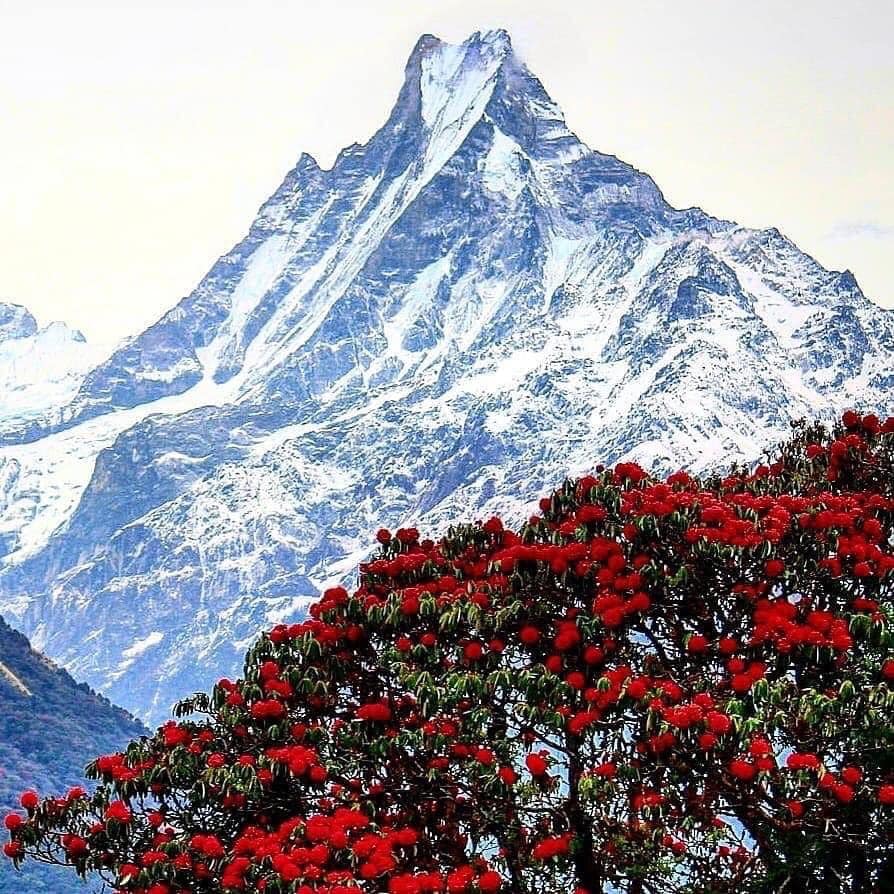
point(452, 318)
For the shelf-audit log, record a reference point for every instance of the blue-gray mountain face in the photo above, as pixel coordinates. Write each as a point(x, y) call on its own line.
point(444, 324)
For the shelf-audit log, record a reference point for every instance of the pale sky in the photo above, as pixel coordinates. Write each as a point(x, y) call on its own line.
point(137, 139)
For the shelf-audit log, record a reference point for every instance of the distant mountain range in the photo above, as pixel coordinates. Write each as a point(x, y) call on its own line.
point(442, 325)
point(41, 370)
point(50, 729)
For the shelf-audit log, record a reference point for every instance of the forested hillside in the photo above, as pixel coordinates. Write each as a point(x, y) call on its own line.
point(50, 727)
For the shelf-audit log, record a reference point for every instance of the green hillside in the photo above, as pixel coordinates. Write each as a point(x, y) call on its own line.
point(50, 727)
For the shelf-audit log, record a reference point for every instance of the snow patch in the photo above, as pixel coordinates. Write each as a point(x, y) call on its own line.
point(501, 168)
point(142, 645)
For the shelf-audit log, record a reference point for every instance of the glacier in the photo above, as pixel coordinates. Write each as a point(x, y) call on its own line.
point(444, 324)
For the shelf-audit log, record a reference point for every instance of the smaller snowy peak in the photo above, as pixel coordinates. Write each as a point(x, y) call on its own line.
point(41, 368)
point(58, 332)
point(16, 321)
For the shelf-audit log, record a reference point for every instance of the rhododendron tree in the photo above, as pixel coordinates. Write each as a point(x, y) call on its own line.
point(675, 685)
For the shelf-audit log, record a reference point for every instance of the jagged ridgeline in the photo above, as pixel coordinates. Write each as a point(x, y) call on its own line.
point(50, 728)
point(456, 315)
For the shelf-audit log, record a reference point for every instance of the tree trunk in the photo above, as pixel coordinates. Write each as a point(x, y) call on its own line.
point(587, 871)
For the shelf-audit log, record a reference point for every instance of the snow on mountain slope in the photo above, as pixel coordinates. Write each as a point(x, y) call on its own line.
point(456, 315)
point(41, 369)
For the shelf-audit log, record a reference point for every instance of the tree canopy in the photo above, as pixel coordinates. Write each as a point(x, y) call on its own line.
point(679, 685)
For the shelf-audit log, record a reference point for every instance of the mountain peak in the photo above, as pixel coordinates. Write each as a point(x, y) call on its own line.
point(16, 321)
point(454, 79)
point(495, 37)
point(496, 41)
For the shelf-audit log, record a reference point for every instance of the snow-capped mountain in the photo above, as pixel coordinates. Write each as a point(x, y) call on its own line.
point(456, 315)
point(41, 370)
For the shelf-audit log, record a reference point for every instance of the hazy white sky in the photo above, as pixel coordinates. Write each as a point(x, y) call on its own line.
point(137, 139)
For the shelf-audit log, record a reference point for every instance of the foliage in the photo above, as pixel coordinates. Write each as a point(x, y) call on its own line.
point(652, 686)
point(50, 727)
